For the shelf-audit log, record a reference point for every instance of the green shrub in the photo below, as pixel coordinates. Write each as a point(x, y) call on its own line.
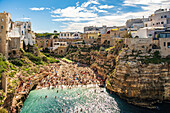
point(53, 60)
point(44, 58)
point(156, 59)
point(3, 110)
point(102, 49)
point(17, 62)
point(35, 59)
point(3, 64)
point(12, 74)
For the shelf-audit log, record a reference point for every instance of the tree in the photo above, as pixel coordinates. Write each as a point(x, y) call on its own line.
point(55, 31)
point(128, 35)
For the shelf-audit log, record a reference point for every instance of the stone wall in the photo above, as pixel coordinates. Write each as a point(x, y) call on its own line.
point(4, 83)
point(4, 29)
point(144, 44)
point(164, 49)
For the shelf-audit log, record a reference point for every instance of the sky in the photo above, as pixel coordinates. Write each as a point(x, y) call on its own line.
point(74, 15)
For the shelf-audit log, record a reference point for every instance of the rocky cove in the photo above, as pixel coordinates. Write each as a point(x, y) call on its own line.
point(127, 73)
point(141, 78)
point(14, 101)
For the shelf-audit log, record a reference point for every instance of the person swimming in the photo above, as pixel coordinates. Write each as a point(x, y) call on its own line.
point(57, 91)
point(46, 96)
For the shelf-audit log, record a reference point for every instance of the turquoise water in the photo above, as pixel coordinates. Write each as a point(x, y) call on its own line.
point(76, 99)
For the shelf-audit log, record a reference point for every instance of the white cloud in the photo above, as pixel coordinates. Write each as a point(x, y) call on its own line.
point(77, 4)
point(147, 3)
point(73, 17)
point(55, 16)
point(25, 18)
point(48, 8)
point(86, 4)
point(74, 12)
point(106, 7)
point(98, 10)
point(39, 9)
point(111, 20)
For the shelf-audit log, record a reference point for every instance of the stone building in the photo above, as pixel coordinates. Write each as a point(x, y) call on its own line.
point(70, 35)
point(101, 30)
point(5, 27)
point(90, 37)
point(13, 34)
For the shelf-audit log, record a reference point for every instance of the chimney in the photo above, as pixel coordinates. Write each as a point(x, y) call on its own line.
point(4, 12)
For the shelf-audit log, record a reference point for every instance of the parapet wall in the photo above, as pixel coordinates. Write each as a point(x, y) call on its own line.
point(4, 83)
point(146, 44)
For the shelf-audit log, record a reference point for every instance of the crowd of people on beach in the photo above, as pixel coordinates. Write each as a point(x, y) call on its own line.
point(69, 75)
point(60, 75)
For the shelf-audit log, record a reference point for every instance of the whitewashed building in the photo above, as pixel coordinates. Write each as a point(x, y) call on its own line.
point(160, 18)
point(27, 36)
point(147, 32)
point(57, 44)
point(70, 35)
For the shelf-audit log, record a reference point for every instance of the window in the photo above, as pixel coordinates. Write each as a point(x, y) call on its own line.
point(64, 34)
point(162, 35)
point(2, 20)
point(93, 37)
point(1, 27)
point(165, 16)
point(164, 43)
point(162, 22)
point(161, 16)
point(89, 37)
point(150, 35)
point(0, 39)
point(168, 35)
point(168, 44)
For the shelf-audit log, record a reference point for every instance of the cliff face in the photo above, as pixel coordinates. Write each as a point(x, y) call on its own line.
point(140, 77)
point(103, 61)
point(139, 83)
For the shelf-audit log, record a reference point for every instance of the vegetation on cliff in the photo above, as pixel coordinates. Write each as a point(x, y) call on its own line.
point(19, 68)
point(140, 77)
point(3, 64)
point(156, 59)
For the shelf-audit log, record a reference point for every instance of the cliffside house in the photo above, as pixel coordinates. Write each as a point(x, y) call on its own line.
point(70, 35)
point(13, 34)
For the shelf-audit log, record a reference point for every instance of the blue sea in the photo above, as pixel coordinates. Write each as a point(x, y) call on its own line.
point(81, 100)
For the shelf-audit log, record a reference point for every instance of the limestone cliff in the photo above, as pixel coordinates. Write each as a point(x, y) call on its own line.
point(103, 61)
point(138, 82)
